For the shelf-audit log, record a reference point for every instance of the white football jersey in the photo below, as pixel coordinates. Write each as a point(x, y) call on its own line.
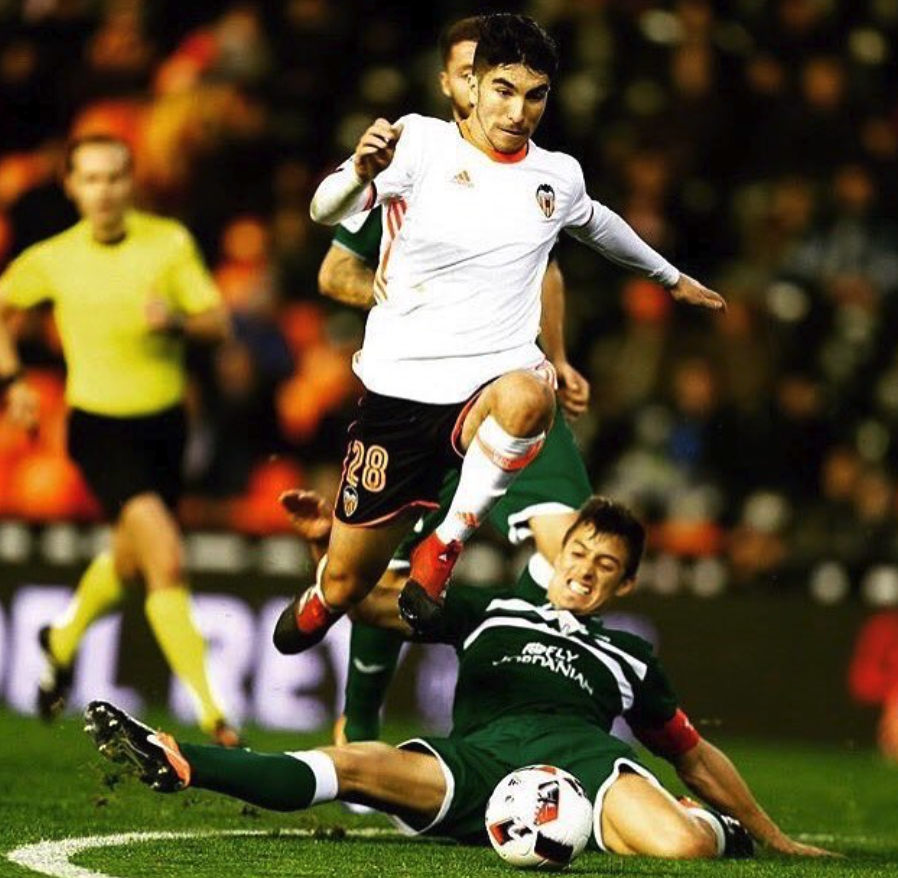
point(465, 244)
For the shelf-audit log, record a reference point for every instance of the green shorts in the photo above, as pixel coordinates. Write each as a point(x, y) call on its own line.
point(474, 764)
point(554, 483)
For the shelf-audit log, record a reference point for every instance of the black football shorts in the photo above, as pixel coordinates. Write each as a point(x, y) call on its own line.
point(123, 457)
point(397, 455)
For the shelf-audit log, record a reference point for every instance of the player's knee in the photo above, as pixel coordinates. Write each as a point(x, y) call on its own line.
point(525, 404)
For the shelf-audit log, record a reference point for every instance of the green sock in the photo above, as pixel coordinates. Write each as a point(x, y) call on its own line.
point(373, 654)
point(278, 781)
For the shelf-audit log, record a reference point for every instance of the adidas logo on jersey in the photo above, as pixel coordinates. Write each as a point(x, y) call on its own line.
point(463, 178)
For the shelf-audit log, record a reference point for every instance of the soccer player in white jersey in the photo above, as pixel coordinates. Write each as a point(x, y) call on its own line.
point(540, 504)
point(450, 363)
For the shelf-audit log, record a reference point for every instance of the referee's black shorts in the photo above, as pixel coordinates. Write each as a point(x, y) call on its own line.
point(123, 457)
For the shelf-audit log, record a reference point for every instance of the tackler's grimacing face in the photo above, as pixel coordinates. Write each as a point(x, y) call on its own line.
point(589, 572)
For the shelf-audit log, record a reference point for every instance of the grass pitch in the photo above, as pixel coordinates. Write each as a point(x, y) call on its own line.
point(53, 786)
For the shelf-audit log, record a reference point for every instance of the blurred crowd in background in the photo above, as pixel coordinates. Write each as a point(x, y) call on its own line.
point(753, 143)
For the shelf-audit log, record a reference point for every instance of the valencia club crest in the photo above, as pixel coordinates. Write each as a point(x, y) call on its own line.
point(350, 500)
point(545, 198)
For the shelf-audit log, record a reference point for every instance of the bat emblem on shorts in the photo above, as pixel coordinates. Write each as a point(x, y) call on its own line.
point(350, 500)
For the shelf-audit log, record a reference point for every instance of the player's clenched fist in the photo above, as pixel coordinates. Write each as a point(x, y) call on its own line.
point(375, 149)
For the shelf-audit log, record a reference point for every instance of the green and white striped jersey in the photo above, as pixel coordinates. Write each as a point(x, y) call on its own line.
point(518, 655)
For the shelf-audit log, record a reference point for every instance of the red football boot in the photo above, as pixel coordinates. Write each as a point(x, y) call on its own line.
point(304, 622)
point(421, 598)
point(432, 562)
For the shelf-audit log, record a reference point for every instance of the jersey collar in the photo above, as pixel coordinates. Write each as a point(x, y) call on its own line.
point(503, 158)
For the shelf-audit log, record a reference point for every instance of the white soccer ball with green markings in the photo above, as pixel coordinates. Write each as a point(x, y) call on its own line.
point(539, 816)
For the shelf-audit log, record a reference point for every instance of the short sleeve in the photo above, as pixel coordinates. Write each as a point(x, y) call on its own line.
point(25, 282)
point(362, 240)
point(398, 180)
point(580, 211)
point(189, 283)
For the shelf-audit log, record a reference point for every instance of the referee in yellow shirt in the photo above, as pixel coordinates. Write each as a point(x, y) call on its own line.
point(126, 289)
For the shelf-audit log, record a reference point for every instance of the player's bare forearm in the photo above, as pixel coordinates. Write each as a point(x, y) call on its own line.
point(573, 388)
point(381, 609)
point(210, 326)
point(551, 324)
point(711, 775)
point(345, 278)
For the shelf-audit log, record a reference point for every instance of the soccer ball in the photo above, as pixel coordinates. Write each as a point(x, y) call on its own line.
point(539, 816)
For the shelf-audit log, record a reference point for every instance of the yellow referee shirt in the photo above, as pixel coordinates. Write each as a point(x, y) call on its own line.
point(116, 365)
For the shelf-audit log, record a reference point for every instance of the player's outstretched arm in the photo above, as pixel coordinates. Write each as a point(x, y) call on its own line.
point(710, 774)
point(380, 608)
point(348, 190)
point(616, 240)
point(346, 278)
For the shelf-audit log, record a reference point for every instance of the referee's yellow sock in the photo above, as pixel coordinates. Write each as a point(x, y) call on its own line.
point(169, 615)
point(99, 592)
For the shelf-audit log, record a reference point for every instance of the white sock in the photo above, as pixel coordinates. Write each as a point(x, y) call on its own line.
point(318, 587)
point(491, 464)
point(322, 766)
point(714, 823)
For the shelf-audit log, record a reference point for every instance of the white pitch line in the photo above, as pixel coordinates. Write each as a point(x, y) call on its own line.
point(54, 857)
point(829, 838)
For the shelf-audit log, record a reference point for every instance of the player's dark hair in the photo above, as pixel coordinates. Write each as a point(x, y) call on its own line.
point(465, 30)
point(606, 516)
point(514, 39)
point(76, 143)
